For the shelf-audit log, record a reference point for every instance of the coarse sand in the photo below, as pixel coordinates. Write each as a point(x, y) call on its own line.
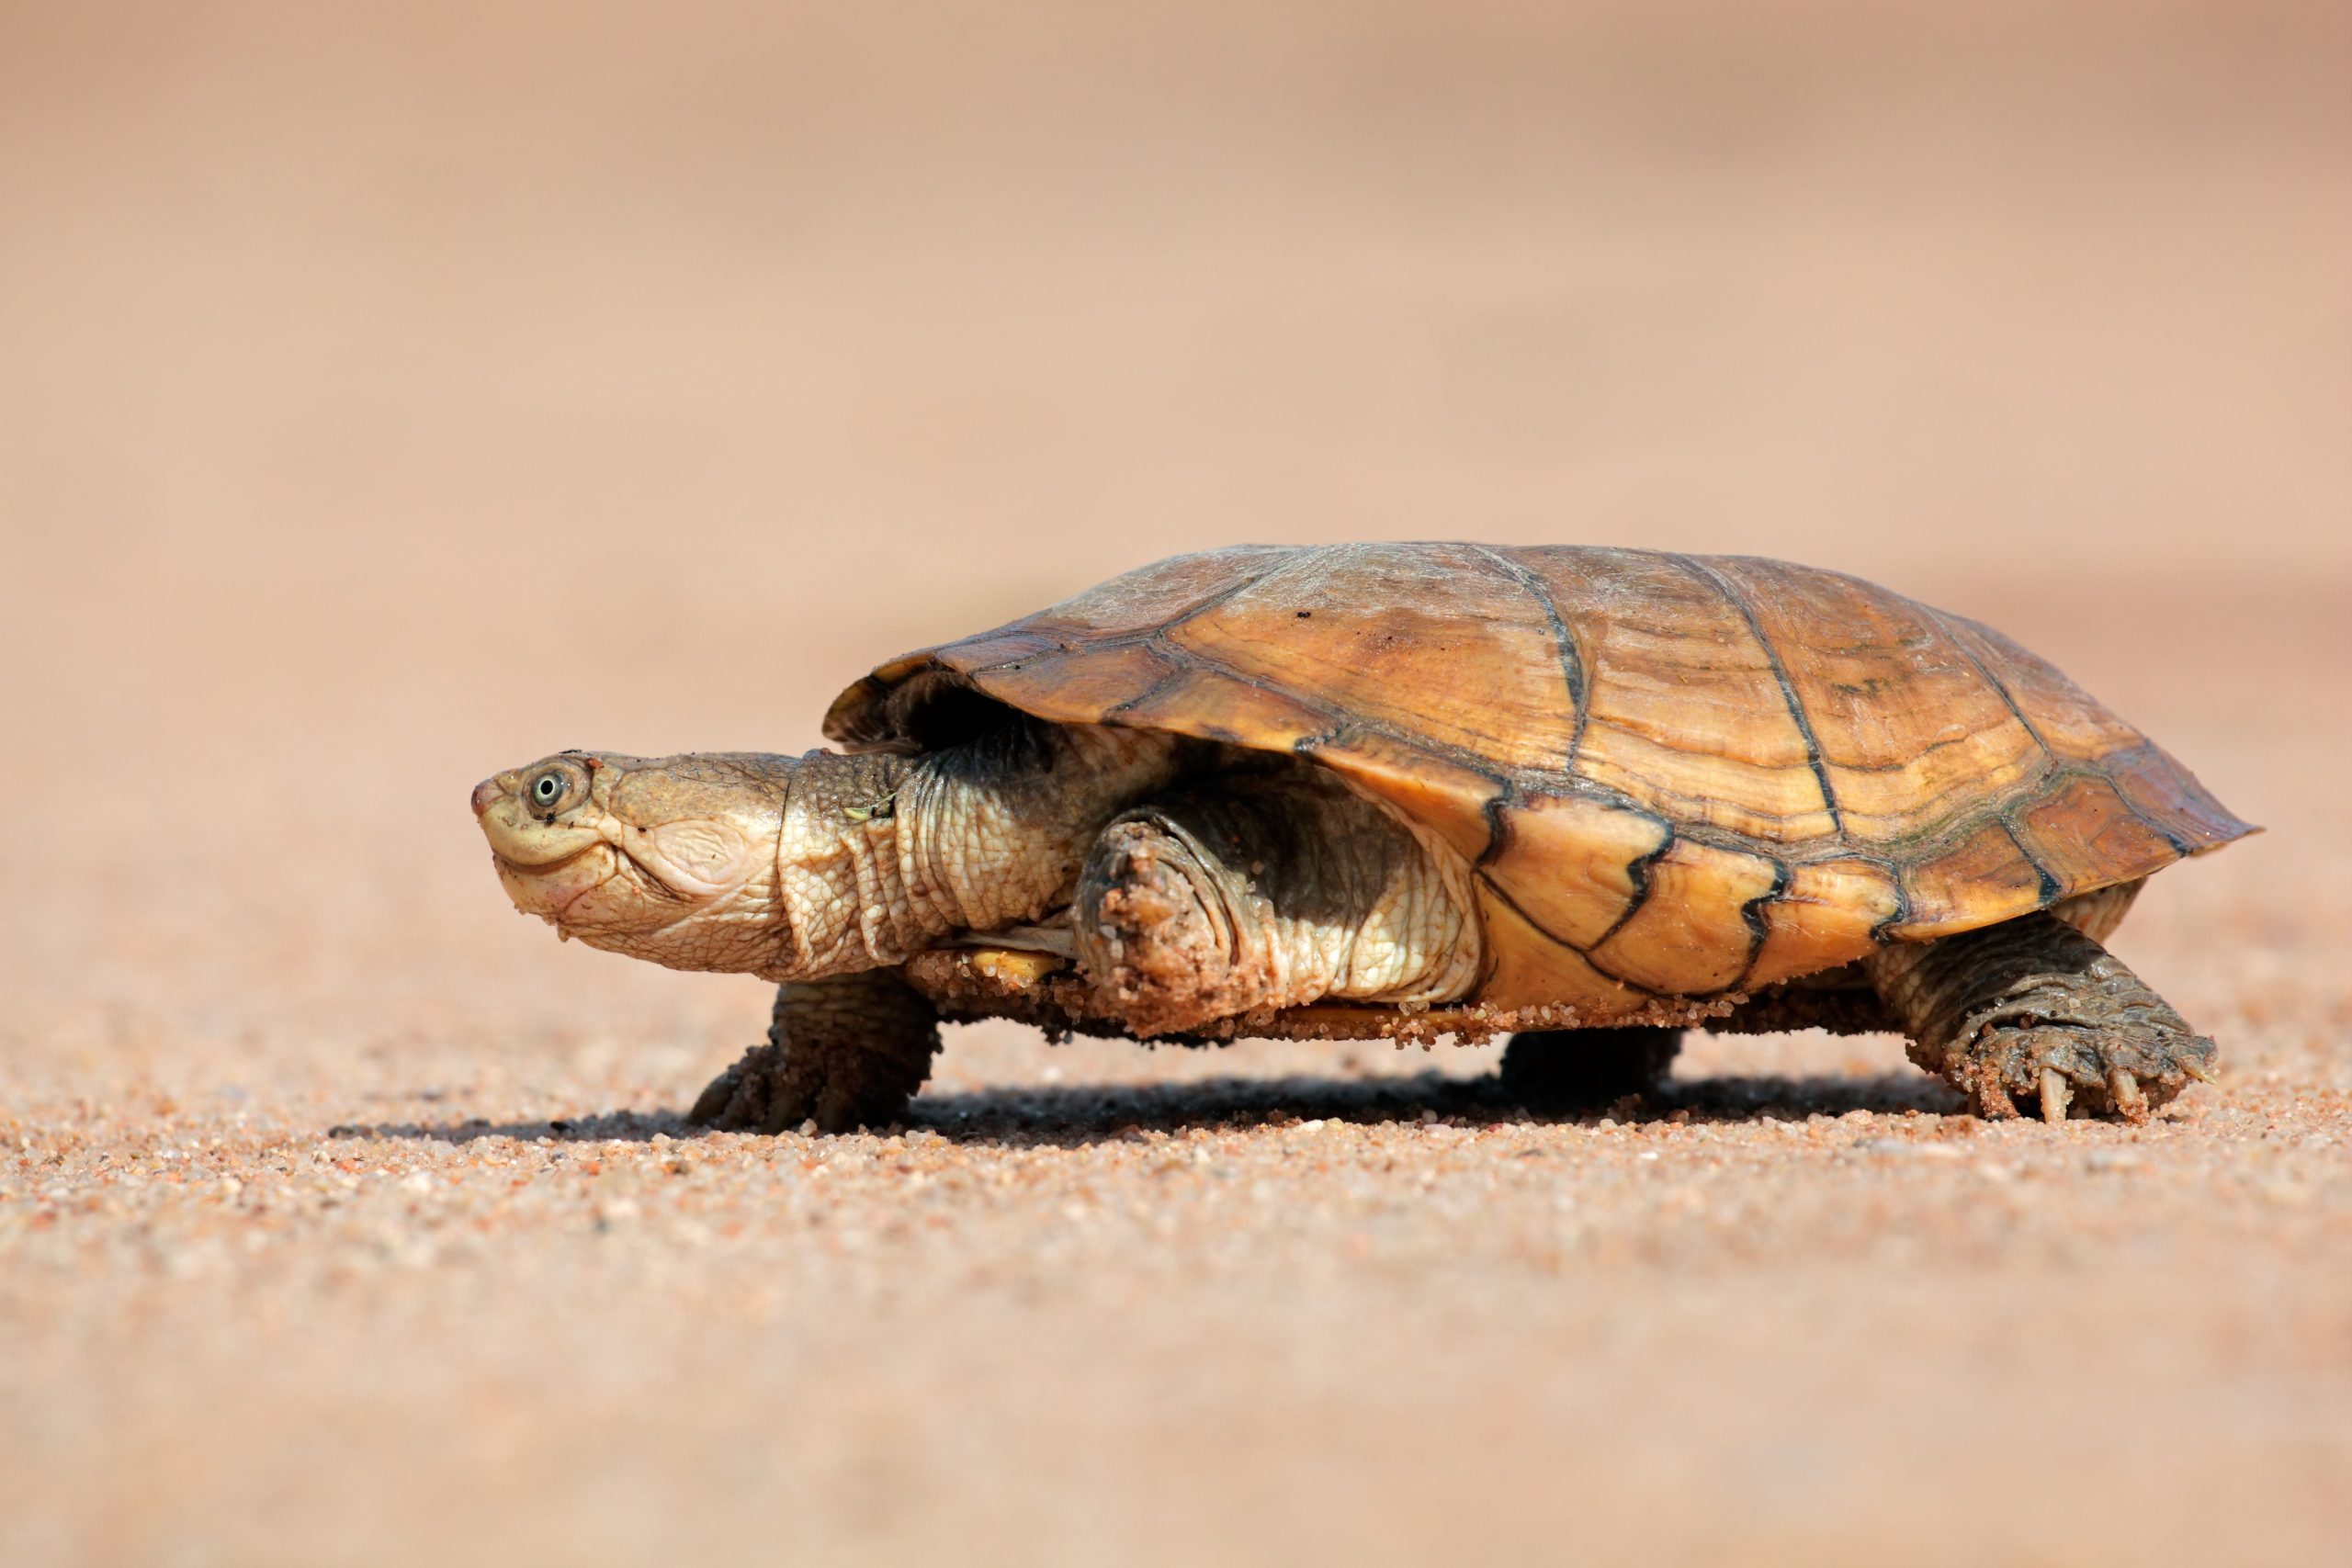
point(392, 396)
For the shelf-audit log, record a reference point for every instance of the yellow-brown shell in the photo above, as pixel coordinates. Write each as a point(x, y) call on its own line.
point(1674, 775)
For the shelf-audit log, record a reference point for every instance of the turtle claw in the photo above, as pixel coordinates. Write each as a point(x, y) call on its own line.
point(772, 1091)
point(2124, 1090)
point(1989, 1098)
point(2066, 1068)
point(712, 1104)
point(2054, 1095)
point(758, 1094)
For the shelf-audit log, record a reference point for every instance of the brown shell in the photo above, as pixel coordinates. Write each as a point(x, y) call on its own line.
point(1674, 775)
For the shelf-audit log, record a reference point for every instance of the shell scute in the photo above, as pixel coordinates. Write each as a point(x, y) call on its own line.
point(1691, 932)
point(1368, 632)
point(1450, 798)
point(1829, 911)
point(1910, 733)
point(2086, 827)
point(1685, 712)
point(1573, 865)
point(1052, 684)
point(2170, 799)
point(1220, 706)
point(1528, 967)
point(2068, 721)
point(1148, 600)
point(1984, 878)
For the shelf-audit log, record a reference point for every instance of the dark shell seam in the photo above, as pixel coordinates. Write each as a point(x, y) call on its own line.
point(1723, 585)
point(1572, 665)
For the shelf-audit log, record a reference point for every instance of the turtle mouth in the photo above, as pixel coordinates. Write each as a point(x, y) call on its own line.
point(547, 869)
point(554, 861)
point(550, 888)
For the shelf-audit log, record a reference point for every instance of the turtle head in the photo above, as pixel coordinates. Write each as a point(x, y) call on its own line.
point(670, 858)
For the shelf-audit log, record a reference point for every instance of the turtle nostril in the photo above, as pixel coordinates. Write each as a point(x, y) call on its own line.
point(485, 794)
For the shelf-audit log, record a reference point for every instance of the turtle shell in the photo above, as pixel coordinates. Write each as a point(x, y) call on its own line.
point(1673, 775)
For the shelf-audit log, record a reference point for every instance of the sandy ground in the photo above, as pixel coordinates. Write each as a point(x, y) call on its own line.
point(396, 395)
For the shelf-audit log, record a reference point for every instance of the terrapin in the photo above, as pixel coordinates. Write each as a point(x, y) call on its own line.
point(1586, 797)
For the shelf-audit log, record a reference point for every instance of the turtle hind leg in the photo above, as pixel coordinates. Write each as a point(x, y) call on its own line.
point(845, 1053)
point(2031, 1012)
point(1582, 1069)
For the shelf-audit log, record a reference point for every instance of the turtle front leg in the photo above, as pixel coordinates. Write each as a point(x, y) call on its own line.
point(1264, 893)
point(2032, 1009)
point(848, 1051)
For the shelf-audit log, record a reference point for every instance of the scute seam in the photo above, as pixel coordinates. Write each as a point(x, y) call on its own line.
point(1557, 940)
point(2051, 889)
point(1637, 871)
point(1751, 914)
point(1572, 664)
point(1738, 602)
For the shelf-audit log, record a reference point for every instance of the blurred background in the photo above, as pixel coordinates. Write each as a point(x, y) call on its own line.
point(391, 393)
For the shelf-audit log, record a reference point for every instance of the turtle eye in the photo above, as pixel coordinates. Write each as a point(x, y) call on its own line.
point(546, 789)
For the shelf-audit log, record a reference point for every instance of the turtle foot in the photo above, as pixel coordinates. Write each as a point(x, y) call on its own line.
point(2057, 1070)
point(740, 1098)
point(844, 1054)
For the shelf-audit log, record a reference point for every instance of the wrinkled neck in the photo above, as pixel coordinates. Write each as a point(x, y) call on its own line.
point(835, 863)
point(880, 857)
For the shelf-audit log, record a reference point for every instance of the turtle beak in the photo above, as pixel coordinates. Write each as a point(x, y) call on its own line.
point(486, 795)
